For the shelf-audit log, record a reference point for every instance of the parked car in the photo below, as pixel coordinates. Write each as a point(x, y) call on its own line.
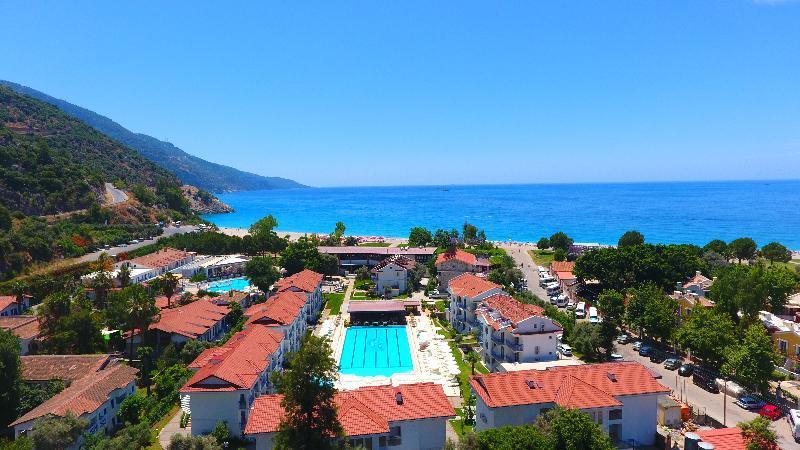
point(750, 403)
point(623, 339)
point(636, 346)
point(570, 305)
point(645, 350)
point(672, 363)
point(771, 412)
point(686, 370)
point(615, 357)
point(705, 381)
point(565, 349)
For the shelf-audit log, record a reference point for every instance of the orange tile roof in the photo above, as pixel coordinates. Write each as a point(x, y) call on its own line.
point(700, 280)
point(367, 410)
point(161, 258)
point(85, 395)
point(306, 281)
point(24, 327)
point(459, 255)
point(469, 285)
point(724, 438)
point(562, 266)
point(565, 275)
point(62, 367)
point(581, 386)
point(191, 320)
point(509, 308)
point(238, 363)
point(280, 309)
point(400, 260)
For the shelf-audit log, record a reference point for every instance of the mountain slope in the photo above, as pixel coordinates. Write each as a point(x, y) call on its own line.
point(190, 169)
point(52, 163)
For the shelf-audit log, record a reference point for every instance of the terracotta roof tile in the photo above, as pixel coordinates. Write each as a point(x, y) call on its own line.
point(84, 395)
point(469, 285)
point(562, 266)
point(280, 309)
point(161, 258)
point(402, 261)
point(191, 320)
point(238, 363)
point(306, 281)
point(24, 327)
point(724, 438)
point(62, 367)
point(497, 307)
point(367, 410)
point(459, 255)
point(6, 301)
point(597, 385)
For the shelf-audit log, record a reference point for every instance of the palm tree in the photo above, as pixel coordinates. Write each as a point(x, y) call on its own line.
point(18, 289)
point(472, 358)
point(124, 276)
point(142, 311)
point(101, 283)
point(169, 283)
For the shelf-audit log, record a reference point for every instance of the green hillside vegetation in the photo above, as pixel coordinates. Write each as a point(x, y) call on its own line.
point(189, 168)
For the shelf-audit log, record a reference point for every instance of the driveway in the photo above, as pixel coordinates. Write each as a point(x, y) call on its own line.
point(711, 403)
point(168, 231)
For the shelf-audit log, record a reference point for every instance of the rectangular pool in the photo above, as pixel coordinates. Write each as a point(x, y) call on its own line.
point(223, 286)
point(371, 351)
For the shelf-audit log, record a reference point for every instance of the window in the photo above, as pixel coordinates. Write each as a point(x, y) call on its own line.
point(782, 345)
point(395, 436)
point(615, 414)
point(797, 350)
point(536, 350)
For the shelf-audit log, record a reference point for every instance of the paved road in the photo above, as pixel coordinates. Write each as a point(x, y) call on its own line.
point(528, 267)
point(117, 196)
point(712, 403)
point(168, 231)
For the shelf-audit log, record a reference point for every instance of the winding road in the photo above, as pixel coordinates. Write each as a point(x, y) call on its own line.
point(115, 195)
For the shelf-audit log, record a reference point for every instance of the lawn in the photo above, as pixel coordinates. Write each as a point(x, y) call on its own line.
point(333, 302)
point(374, 244)
point(459, 426)
point(541, 257)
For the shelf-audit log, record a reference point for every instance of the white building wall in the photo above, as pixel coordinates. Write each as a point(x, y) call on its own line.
point(208, 408)
point(639, 417)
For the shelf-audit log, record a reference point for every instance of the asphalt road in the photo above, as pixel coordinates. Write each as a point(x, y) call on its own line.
point(168, 231)
point(525, 263)
point(117, 195)
point(683, 388)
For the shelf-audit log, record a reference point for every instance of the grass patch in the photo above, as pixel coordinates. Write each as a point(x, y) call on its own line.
point(158, 426)
point(459, 426)
point(374, 244)
point(441, 305)
point(333, 302)
point(542, 257)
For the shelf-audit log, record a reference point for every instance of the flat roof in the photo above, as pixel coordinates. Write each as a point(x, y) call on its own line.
point(376, 306)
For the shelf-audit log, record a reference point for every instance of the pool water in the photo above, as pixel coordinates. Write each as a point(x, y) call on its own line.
point(223, 286)
point(372, 351)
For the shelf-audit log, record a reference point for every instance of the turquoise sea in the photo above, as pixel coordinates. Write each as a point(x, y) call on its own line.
point(679, 212)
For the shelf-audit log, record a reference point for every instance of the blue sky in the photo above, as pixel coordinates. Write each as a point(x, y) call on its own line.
point(373, 93)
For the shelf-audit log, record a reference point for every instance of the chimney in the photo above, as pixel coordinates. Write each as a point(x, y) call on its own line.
point(612, 376)
point(398, 397)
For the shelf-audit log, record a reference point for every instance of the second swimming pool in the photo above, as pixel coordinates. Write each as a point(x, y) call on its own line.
point(371, 351)
point(223, 286)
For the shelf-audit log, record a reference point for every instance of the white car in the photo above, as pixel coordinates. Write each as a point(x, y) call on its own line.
point(570, 305)
point(565, 349)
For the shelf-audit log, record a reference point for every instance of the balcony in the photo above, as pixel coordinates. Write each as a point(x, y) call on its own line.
point(497, 352)
point(513, 345)
point(497, 339)
point(472, 322)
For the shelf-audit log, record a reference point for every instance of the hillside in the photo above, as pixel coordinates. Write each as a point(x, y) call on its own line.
point(190, 169)
point(51, 162)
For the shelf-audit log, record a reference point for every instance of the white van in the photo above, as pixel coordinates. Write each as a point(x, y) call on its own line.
point(580, 311)
point(794, 423)
point(561, 302)
point(593, 315)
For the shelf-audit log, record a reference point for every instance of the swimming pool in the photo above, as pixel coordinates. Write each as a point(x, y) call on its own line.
point(223, 286)
point(371, 351)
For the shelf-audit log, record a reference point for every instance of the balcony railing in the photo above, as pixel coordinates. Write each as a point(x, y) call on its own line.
point(497, 352)
point(497, 339)
point(513, 346)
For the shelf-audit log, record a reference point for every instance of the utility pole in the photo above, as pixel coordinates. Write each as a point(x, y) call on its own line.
point(725, 404)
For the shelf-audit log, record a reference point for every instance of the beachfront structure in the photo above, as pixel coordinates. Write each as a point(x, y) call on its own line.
point(466, 291)
point(391, 275)
point(621, 397)
point(515, 332)
point(213, 267)
point(452, 263)
point(228, 379)
point(309, 284)
point(285, 312)
point(408, 416)
point(96, 386)
point(689, 301)
point(352, 257)
point(202, 319)
point(25, 328)
point(699, 285)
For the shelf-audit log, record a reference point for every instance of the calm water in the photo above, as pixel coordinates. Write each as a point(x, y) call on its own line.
point(223, 286)
point(664, 212)
point(372, 351)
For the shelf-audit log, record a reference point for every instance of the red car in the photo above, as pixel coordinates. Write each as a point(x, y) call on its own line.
point(771, 412)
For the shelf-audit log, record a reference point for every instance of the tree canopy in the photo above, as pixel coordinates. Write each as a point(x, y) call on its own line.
point(10, 367)
point(707, 332)
point(750, 362)
point(743, 248)
point(560, 240)
point(420, 237)
point(775, 251)
point(262, 272)
point(632, 237)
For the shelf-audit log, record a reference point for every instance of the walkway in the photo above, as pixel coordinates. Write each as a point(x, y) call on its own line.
point(351, 282)
point(173, 427)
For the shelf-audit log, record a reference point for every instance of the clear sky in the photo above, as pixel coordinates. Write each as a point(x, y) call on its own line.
point(433, 92)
